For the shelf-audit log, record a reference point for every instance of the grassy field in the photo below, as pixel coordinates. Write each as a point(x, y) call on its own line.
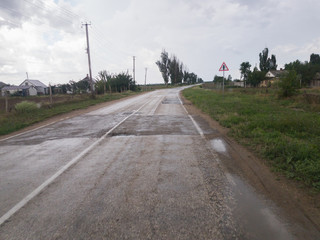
point(13, 121)
point(286, 132)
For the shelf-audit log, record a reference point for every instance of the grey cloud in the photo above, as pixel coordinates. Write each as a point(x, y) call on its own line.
point(15, 12)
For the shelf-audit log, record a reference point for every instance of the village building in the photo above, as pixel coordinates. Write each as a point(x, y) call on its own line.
point(315, 82)
point(272, 76)
point(26, 88)
point(39, 86)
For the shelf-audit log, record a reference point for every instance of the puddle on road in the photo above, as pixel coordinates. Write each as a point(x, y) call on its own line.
point(257, 216)
point(219, 145)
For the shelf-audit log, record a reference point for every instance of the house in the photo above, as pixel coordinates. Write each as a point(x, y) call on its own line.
point(39, 86)
point(238, 83)
point(272, 76)
point(19, 90)
point(315, 82)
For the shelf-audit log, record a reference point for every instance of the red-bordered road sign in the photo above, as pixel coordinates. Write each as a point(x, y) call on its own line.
point(223, 67)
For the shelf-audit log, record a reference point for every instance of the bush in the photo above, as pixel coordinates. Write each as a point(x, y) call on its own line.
point(288, 85)
point(26, 107)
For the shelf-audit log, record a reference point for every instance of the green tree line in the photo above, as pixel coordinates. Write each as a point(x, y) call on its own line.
point(104, 83)
point(174, 71)
point(304, 71)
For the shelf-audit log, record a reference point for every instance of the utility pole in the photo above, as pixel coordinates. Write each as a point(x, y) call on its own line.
point(89, 60)
point(145, 79)
point(134, 68)
point(50, 92)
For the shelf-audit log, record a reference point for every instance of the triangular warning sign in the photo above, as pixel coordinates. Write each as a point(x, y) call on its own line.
point(224, 67)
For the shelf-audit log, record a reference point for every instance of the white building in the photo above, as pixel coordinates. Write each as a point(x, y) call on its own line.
point(39, 86)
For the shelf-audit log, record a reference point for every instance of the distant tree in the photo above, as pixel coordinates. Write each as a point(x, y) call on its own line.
point(101, 82)
point(174, 69)
point(200, 80)
point(266, 63)
point(83, 85)
point(288, 85)
point(272, 62)
point(314, 59)
point(245, 70)
point(217, 79)
point(229, 79)
point(65, 88)
point(256, 77)
point(186, 77)
point(305, 70)
point(163, 65)
point(263, 57)
point(73, 85)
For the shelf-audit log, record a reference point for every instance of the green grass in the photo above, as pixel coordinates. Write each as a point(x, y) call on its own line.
point(283, 131)
point(18, 119)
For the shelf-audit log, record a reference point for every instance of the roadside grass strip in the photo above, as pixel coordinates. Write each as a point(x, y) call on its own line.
point(282, 131)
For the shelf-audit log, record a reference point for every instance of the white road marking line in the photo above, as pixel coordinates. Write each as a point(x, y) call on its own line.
point(197, 126)
point(228, 176)
point(35, 192)
point(192, 119)
point(157, 105)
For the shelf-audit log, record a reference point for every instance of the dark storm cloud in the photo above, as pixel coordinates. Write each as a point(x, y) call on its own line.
point(15, 12)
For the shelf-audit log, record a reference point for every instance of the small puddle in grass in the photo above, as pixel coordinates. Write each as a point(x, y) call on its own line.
point(219, 145)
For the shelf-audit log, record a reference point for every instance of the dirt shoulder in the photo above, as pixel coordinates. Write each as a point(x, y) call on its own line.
point(299, 204)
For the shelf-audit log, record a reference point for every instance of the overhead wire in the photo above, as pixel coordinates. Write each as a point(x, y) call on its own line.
point(103, 48)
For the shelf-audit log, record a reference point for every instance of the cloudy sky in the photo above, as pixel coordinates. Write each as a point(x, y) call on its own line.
point(45, 37)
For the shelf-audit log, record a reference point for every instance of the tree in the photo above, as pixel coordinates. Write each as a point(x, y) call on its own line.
point(175, 70)
point(263, 57)
point(245, 70)
point(306, 70)
point(314, 59)
point(273, 63)
point(101, 83)
point(255, 77)
point(266, 63)
point(163, 65)
point(288, 84)
point(217, 79)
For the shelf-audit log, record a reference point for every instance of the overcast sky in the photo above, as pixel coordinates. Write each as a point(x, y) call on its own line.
point(45, 38)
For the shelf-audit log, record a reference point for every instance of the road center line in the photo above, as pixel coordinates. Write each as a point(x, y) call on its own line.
point(35, 192)
point(152, 112)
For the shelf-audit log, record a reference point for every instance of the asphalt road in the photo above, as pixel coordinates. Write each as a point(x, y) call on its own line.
point(138, 169)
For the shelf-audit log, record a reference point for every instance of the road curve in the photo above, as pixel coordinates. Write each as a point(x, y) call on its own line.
point(138, 169)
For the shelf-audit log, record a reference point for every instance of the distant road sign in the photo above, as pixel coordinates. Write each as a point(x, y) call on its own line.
point(223, 67)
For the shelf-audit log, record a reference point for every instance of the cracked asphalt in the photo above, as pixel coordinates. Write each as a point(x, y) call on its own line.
point(140, 170)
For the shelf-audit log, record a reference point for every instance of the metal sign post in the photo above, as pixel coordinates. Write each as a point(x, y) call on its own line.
point(223, 68)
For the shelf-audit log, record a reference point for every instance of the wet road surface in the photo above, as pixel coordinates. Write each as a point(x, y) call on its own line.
point(138, 169)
